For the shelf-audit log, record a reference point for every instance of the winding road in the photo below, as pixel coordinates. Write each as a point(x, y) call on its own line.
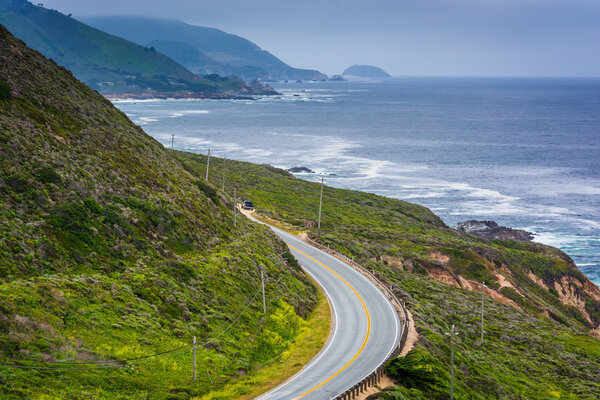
point(365, 328)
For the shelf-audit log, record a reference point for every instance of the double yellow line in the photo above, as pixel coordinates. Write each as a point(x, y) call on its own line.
point(368, 325)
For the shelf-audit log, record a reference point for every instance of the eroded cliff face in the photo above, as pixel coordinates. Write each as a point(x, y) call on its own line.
point(559, 297)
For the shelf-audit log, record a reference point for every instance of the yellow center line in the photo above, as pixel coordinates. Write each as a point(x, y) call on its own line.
point(368, 325)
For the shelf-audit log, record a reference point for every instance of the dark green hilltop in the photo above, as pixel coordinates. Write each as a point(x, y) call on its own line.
point(112, 65)
point(110, 250)
point(203, 50)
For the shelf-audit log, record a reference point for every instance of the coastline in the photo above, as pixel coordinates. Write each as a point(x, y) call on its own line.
point(188, 95)
point(157, 96)
point(548, 191)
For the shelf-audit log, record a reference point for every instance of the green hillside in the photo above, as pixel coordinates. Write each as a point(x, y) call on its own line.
point(542, 314)
point(112, 255)
point(217, 51)
point(107, 63)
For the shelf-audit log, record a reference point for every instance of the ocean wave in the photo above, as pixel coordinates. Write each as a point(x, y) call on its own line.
point(257, 153)
point(181, 113)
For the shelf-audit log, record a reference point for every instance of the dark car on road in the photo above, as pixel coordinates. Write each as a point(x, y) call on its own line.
point(247, 205)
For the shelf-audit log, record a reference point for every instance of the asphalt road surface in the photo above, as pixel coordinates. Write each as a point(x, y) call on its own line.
point(365, 328)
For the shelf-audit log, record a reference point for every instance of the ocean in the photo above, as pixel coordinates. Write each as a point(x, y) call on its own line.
point(523, 152)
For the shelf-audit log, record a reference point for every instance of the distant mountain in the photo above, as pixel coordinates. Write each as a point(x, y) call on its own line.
point(365, 71)
point(105, 62)
point(215, 51)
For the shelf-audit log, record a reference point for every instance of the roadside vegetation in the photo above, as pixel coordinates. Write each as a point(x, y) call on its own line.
point(537, 345)
point(113, 257)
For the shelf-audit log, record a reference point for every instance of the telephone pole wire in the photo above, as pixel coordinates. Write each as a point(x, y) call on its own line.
point(262, 283)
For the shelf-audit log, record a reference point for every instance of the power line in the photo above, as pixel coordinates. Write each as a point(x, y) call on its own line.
point(98, 367)
point(126, 362)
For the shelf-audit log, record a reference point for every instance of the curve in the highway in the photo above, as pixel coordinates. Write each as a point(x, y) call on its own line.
point(365, 328)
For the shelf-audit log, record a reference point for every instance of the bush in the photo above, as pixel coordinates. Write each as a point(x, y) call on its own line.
point(92, 205)
point(18, 182)
point(112, 214)
point(4, 91)
point(74, 219)
point(415, 370)
point(48, 175)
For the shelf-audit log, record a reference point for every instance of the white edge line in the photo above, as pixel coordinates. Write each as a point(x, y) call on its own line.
point(387, 301)
point(362, 276)
point(324, 350)
point(359, 274)
point(396, 319)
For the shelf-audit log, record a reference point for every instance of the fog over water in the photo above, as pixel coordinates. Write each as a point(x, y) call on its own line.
point(404, 37)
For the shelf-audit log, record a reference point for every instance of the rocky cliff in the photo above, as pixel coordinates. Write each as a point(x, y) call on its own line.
point(491, 230)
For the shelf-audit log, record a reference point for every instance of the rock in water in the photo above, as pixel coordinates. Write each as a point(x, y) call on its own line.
point(491, 230)
point(365, 71)
point(300, 170)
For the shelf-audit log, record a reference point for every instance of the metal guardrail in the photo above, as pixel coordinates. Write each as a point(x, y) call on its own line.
point(374, 377)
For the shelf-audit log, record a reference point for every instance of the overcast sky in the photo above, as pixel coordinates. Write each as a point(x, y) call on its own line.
point(404, 37)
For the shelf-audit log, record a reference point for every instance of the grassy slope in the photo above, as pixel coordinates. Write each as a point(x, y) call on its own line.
point(95, 56)
point(524, 355)
point(110, 250)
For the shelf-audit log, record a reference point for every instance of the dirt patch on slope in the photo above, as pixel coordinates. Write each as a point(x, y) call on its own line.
point(567, 294)
point(385, 381)
point(537, 280)
point(393, 261)
point(412, 337)
point(436, 255)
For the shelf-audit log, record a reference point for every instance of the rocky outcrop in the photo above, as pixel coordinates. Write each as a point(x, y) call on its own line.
point(337, 78)
point(365, 71)
point(300, 170)
point(491, 230)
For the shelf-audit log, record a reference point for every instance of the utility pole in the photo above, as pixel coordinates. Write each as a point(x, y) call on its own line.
point(224, 158)
point(452, 334)
point(234, 209)
point(172, 140)
point(482, 304)
point(207, 165)
point(262, 283)
point(194, 374)
point(320, 203)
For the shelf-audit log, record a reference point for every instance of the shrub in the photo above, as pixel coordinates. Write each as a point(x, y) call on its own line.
point(74, 219)
point(181, 271)
point(47, 175)
point(92, 205)
point(18, 182)
point(415, 370)
point(112, 214)
point(4, 91)
point(209, 191)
